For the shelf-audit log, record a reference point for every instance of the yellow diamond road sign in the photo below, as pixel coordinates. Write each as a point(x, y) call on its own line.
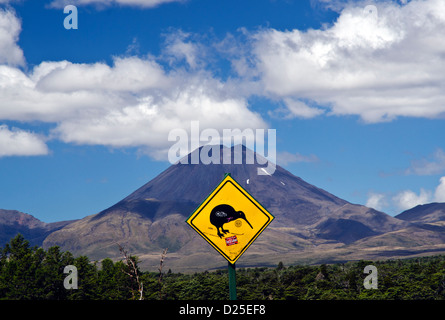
point(230, 219)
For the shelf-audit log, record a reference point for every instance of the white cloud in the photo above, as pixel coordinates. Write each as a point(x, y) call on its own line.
point(296, 109)
point(134, 102)
point(179, 46)
point(10, 27)
point(138, 3)
point(439, 194)
point(376, 66)
point(148, 122)
point(407, 199)
point(377, 201)
point(17, 142)
point(127, 74)
point(22, 100)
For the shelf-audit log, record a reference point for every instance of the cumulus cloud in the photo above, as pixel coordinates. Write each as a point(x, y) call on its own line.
point(148, 121)
point(134, 102)
point(16, 142)
point(10, 27)
point(180, 46)
point(126, 75)
point(377, 201)
point(22, 100)
point(376, 65)
point(407, 199)
point(295, 109)
point(439, 194)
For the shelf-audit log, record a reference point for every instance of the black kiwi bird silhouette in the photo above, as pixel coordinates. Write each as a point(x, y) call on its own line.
point(224, 213)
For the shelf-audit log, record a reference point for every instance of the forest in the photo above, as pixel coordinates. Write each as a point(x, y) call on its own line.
point(32, 273)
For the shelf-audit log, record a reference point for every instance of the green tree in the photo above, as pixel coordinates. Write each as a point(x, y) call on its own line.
point(18, 274)
point(87, 274)
point(50, 275)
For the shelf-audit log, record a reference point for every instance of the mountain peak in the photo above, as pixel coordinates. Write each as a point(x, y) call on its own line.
point(220, 154)
point(424, 213)
point(13, 222)
point(188, 182)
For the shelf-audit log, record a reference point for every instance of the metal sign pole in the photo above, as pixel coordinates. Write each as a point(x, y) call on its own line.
point(232, 281)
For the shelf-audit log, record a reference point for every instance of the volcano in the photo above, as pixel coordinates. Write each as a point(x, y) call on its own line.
point(307, 218)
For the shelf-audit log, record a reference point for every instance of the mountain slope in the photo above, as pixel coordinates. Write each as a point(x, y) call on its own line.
point(152, 217)
point(426, 213)
point(35, 231)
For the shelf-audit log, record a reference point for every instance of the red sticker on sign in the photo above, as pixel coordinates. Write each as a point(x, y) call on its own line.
point(230, 241)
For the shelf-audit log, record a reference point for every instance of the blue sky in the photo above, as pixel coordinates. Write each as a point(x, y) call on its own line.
point(354, 89)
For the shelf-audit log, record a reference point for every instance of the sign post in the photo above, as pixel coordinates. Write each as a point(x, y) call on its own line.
point(230, 219)
point(232, 281)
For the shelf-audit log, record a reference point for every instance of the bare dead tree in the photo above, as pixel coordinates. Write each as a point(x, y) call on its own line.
point(161, 264)
point(132, 271)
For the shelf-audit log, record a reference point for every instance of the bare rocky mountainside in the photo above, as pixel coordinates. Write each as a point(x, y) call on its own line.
point(310, 226)
point(35, 231)
point(426, 213)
